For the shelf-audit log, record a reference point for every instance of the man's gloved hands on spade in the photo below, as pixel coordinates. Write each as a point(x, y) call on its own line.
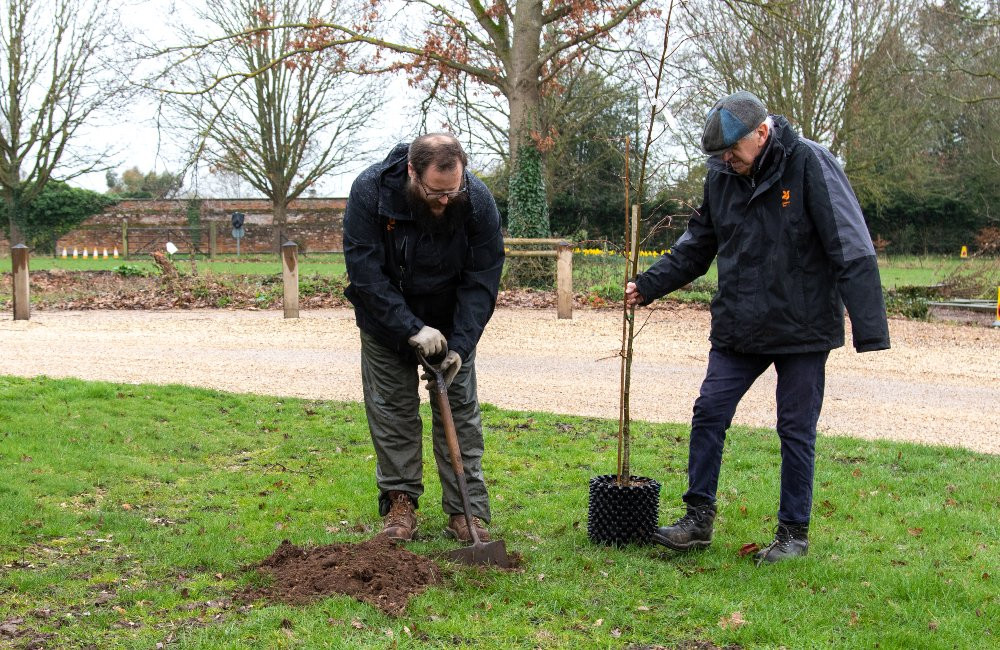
point(449, 368)
point(429, 341)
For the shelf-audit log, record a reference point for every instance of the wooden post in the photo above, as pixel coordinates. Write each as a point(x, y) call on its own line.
point(290, 275)
point(564, 280)
point(19, 264)
point(125, 238)
point(212, 234)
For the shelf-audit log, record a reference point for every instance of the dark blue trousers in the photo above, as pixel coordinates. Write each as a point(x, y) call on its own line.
point(801, 379)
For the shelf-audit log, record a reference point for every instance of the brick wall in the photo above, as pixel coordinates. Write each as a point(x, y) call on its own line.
point(315, 224)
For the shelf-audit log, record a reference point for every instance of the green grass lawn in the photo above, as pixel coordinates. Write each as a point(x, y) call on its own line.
point(132, 511)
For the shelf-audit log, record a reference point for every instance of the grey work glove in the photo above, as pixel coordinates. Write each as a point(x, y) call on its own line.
point(449, 368)
point(429, 341)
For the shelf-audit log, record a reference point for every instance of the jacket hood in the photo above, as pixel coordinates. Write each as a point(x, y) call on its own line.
point(392, 176)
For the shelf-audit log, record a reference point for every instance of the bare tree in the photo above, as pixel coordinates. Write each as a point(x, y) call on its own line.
point(961, 49)
point(55, 78)
point(960, 69)
point(279, 122)
point(836, 70)
point(508, 47)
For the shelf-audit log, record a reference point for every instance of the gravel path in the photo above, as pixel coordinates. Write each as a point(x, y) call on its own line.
point(939, 384)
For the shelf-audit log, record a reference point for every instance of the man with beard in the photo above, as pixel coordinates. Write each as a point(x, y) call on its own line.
point(424, 253)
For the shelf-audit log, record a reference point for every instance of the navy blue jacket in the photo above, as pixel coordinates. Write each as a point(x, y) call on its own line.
point(402, 277)
point(793, 250)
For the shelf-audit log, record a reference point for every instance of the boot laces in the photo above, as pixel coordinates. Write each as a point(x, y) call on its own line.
point(783, 536)
point(691, 519)
point(399, 511)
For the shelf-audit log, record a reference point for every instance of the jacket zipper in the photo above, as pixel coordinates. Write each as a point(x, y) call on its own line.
point(402, 267)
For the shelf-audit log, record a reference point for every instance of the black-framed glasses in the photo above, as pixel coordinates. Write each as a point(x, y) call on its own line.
point(437, 195)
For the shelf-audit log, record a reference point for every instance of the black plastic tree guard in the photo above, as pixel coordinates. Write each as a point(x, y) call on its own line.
point(619, 514)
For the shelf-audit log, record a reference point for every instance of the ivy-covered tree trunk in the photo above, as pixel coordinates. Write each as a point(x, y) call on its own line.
point(528, 216)
point(528, 212)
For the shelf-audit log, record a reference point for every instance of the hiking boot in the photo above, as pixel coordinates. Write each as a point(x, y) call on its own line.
point(401, 522)
point(458, 529)
point(790, 540)
point(693, 530)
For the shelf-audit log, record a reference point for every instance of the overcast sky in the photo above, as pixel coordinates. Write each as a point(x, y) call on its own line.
point(135, 136)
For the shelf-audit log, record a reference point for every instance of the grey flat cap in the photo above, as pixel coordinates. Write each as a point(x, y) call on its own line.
point(729, 120)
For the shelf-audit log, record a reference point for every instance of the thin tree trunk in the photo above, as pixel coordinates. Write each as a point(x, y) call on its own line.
point(279, 211)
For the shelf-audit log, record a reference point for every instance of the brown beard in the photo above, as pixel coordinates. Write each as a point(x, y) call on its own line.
point(447, 223)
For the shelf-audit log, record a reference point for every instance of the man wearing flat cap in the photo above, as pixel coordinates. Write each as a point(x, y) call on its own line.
point(781, 220)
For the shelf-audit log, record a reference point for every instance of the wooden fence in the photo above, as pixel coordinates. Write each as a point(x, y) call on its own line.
point(563, 252)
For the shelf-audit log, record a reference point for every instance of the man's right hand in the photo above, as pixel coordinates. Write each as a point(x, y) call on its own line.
point(429, 341)
point(632, 296)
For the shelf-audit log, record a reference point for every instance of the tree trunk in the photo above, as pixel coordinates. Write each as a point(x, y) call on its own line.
point(279, 211)
point(13, 206)
point(524, 87)
point(527, 218)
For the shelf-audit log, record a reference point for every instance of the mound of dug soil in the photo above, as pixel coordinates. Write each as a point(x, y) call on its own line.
point(377, 572)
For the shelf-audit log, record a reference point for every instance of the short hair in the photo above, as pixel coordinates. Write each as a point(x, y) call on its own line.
point(769, 121)
point(443, 151)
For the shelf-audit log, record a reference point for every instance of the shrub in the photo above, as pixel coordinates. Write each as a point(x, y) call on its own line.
point(909, 302)
point(130, 271)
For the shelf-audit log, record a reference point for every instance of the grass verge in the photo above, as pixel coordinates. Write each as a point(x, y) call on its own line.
point(131, 512)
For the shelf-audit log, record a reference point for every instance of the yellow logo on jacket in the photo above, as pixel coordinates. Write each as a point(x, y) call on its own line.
point(786, 198)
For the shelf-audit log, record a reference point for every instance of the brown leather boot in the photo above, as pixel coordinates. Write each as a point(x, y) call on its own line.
point(458, 529)
point(401, 522)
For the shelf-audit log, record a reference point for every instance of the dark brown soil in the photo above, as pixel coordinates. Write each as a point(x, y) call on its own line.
point(377, 572)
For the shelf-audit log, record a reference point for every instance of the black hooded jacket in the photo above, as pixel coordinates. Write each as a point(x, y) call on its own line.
point(793, 250)
point(403, 277)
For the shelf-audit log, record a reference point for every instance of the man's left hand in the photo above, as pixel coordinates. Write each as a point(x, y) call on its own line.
point(449, 369)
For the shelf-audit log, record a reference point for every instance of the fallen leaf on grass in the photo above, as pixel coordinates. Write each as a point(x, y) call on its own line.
point(916, 532)
point(747, 549)
point(732, 621)
point(598, 623)
point(932, 625)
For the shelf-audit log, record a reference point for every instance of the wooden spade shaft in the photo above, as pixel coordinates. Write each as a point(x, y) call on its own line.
point(480, 552)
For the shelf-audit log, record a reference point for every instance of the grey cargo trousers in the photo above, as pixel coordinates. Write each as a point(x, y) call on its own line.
point(391, 386)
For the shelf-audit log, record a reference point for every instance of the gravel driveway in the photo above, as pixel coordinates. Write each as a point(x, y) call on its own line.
point(940, 383)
